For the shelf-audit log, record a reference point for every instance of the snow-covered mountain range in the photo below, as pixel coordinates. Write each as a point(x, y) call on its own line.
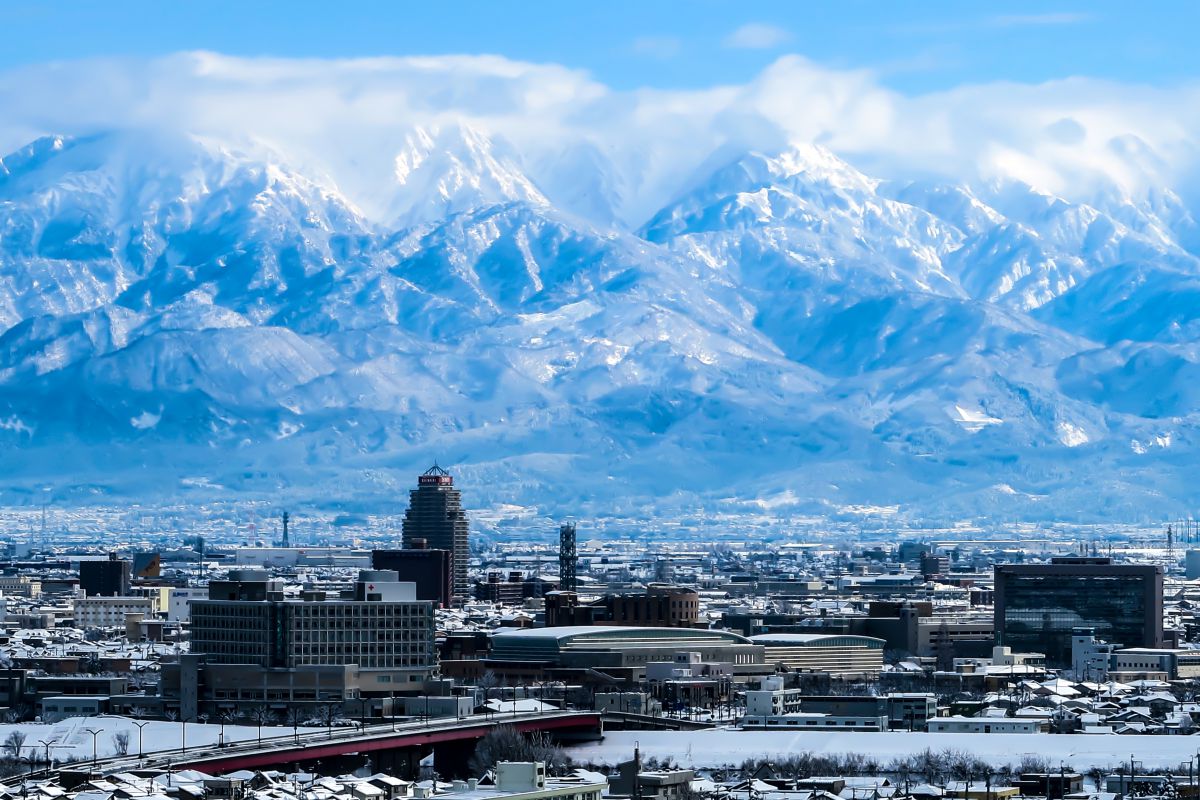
point(788, 334)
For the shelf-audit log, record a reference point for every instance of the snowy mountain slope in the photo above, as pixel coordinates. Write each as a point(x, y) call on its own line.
point(176, 313)
point(449, 169)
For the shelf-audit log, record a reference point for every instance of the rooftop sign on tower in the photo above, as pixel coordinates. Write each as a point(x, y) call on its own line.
point(435, 476)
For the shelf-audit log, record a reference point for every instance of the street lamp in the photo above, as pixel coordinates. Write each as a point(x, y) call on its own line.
point(95, 732)
point(47, 745)
point(31, 759)
point(140, 726)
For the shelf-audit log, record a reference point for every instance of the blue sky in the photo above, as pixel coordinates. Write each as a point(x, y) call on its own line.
point(914, 47)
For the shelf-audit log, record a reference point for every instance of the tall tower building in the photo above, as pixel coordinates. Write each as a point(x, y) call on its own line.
point(568, 559)
point(435, 514)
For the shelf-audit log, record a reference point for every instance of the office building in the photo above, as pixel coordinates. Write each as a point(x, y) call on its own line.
point(179, 602)
point(1143, 663)
point(105, 578)
point(514, 589)
point(659, 606)
point(110, 612)
point(773, 706)
point(1089, 656)
point(381, 626)
point(1038, 606)
point(435, 515)
point(431, 570)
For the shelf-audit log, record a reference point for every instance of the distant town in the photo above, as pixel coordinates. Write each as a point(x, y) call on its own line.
point(809, 664)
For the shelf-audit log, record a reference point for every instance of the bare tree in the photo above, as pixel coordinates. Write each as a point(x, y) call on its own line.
point(295, 717)
point(13, 744)
point(120, 741)
point(261, 715)
point(506, 743)
point(487, 681)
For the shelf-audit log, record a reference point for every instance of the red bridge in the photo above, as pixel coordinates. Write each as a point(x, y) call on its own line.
point(394, 750)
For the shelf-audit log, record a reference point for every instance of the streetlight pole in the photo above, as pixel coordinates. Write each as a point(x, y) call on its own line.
point(47, 745)
point(140, 726)
point(95, 733)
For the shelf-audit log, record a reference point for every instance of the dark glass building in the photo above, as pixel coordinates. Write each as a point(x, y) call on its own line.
point(1038, 605)
point(435, 515)
point(430, 570)
point(108, 578)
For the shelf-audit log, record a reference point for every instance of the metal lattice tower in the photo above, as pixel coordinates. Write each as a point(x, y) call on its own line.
point(568, 559)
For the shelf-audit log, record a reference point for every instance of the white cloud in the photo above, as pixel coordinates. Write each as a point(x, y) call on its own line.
point(348, 118)
point(757, 36)
point(661, 47)
point(1036, 20)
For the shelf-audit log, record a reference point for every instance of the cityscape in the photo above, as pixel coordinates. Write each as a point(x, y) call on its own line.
point(669, 400)
point(423, 661)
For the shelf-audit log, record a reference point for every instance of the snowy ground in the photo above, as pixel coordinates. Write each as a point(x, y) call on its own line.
point(70, 737)
point(715, 748)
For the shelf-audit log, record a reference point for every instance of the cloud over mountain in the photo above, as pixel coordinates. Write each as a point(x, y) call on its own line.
point(807, 292)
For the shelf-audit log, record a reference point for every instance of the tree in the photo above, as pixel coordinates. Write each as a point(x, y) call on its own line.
point(506, 743)
point(13, 744)
point(295, 716)
point(261, 715)
point(120, 741)
point(327, 714)
point(487, 681)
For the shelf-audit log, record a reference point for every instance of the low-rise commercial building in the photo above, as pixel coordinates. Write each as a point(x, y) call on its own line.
point(109, 612)
point(621, 652)
point(179, 602)
point(1146, 663)
point(838, 654)
point(983, 725)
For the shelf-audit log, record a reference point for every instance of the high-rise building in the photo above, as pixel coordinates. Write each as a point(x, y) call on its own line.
point(1039, 605)
point(106, 578)
point(435, 515)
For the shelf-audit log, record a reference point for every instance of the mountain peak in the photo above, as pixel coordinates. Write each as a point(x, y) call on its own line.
point(447, 169)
